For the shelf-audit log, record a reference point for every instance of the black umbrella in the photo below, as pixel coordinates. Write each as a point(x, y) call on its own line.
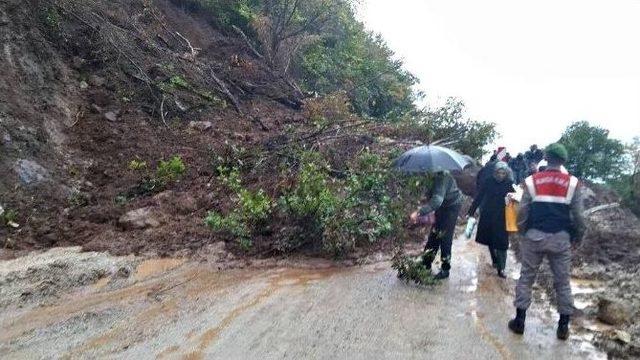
point(431, 158)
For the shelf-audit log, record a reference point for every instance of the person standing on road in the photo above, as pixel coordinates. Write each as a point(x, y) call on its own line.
point(519, 168)
point(492, 229)
point(486, 172)
point(534, 155)
point(445, 199)
point(552, 222)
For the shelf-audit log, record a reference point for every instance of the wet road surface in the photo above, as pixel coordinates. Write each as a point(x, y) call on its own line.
point(190, 311)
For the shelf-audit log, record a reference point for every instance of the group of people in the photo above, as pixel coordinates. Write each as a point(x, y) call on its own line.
point(521, 166)
point(549, 217)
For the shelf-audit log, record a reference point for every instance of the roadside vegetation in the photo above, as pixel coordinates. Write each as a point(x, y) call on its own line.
point(596, 157)
point(329, 195)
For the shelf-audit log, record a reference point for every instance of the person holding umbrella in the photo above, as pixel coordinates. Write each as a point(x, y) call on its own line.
point(492, 230)
point(445, 199)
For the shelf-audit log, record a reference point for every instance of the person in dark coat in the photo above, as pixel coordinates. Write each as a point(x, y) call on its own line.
point(534, 155)
point(532, 168)
point(486, 172)
point(519, 168)
point(492, 230)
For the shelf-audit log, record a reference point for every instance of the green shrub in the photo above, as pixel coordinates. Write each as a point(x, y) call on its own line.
point(52, 18)
point(365, 214)
point(349, 58)
point(347, 212)
point(255, 205)
point(311, 195)
point(137, 164)
point(225, 13)
point(78, 199)
point(177, 81)
point(8, 217)
point(364, 207)
point(230, 156)
point(171, 170)
point(152, 182)
point(232, 223)
point(248, 217)
point(412, 270)
point(245, 244)
point(230, 177)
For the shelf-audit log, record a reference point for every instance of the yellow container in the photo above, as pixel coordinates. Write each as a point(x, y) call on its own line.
point(511, 217)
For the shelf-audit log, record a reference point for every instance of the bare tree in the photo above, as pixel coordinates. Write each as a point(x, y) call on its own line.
point(288, 25)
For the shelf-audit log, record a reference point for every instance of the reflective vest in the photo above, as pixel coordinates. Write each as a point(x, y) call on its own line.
point(551, 194)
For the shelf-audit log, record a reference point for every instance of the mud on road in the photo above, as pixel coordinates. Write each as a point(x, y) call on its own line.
point(172, 309)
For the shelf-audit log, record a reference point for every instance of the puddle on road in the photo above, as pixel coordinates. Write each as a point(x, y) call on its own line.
point(474, 284)
point(152, 267)
point(541, 327)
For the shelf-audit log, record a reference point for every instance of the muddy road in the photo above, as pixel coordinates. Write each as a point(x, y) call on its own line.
point(170, 309)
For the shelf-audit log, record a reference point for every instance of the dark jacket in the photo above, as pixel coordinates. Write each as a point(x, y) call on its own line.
point(519, 168)
point(492, 230)
point(548, 214)
point(485, 173)
point(534, 156)
point(443, 194)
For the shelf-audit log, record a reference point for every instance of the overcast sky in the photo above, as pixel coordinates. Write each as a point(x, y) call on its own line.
point(532, 67)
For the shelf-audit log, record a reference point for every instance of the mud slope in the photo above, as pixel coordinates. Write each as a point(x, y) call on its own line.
point(88, 86)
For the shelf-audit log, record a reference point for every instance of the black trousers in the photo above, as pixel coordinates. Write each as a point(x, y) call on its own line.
point(441, 236)
point(498, 258)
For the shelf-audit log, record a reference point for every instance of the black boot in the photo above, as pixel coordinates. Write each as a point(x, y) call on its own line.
point(427, 259)
point(517, 325)
point(443, 274)
point(444, 269)
point(563, 327)
point(501, 274)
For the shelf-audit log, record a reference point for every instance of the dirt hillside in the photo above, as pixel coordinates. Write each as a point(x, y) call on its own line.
point(89, 86)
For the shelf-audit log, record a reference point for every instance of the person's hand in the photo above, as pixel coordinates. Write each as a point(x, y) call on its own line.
point(414, 217)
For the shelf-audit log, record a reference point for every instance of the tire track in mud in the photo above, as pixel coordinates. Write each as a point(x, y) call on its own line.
point(475, 259)
point(289, 277)
point(487, 336)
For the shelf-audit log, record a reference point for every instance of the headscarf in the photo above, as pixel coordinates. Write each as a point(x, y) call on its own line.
point(501, 165)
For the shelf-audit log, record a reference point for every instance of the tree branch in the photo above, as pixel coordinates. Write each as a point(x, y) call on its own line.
point(226, 91)
point(248, 42)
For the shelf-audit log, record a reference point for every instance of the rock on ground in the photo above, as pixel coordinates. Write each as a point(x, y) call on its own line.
point(613, 311)
point(30, 172)
point(139, 219)
point(200, 125)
